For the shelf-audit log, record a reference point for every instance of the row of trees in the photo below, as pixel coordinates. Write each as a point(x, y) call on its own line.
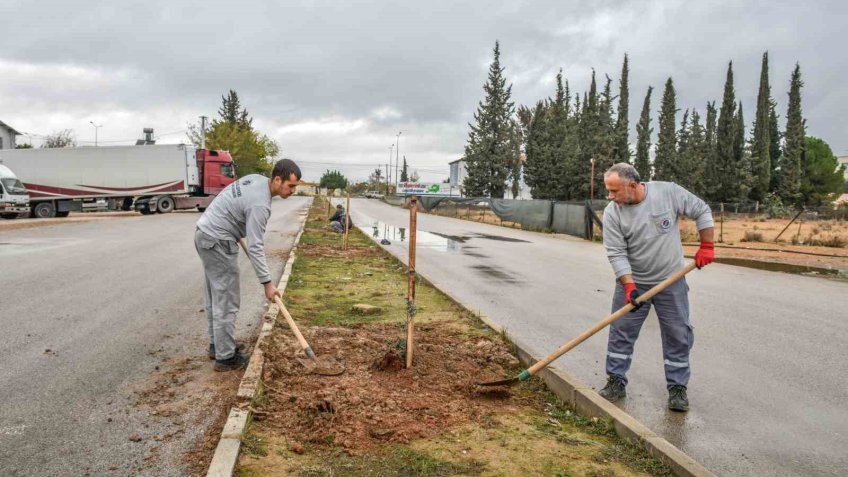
point(564, 137)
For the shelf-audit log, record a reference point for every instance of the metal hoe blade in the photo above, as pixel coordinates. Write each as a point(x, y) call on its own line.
point(508, 382)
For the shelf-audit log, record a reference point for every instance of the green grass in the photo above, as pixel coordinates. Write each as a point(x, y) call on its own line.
point(393, 461)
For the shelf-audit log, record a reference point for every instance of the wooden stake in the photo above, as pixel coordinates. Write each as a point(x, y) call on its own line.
point(410, 294)
point(721, 225)
point(347, 220)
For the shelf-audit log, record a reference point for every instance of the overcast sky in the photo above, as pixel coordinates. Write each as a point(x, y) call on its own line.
point(333, 82)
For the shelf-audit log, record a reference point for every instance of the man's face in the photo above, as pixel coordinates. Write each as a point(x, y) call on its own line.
point(285, 188)
point(620, 192)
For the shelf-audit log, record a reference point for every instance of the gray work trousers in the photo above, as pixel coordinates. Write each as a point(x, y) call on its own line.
point(221, 286)
point(672, 306)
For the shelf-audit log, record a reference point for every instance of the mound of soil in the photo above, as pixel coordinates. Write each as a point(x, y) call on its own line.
point(377, 400)
point(315, 250)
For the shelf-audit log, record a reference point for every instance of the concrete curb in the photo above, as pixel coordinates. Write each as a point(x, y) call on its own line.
point(585, 400)
point(226, 453)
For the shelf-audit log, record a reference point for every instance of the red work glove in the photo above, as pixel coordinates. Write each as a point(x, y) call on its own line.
point(705, 255)
point(630, 296)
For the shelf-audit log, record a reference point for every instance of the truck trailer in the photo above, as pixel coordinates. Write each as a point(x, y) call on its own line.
point(149, 178)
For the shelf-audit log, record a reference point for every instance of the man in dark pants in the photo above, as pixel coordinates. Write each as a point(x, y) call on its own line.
point(241, 210)
point(642, 239)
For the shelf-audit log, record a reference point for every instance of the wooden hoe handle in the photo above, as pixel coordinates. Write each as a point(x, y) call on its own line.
point(606, 321)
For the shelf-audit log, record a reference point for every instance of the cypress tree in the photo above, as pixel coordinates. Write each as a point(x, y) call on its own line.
point(643, 139)
point(774, 148)
point(666, 167)
point(683, 155)
point(710, 175)
point(622, 126)
point(404, 177)
point(492, 145)
point(761, 162)
point(604, 139)
point(696, 162)
point(725, 142)
point(740, 173)
point(538, 169)
point(791, 165)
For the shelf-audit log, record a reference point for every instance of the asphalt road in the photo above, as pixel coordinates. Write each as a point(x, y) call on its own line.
point(87, 312)
point(768, 393)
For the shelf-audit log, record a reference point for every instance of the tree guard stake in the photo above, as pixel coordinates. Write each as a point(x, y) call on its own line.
point(346, 222)
point(410, 294)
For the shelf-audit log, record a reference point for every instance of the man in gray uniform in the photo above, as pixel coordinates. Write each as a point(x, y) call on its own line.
point(642, 239)
point(241, 210)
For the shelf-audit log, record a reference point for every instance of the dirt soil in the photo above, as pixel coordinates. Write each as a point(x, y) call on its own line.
point(376, 401)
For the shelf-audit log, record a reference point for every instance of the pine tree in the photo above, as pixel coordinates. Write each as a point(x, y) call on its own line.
point(761, 162)
point(232, 112)
point(643, 139)
point(622, 125)
point(774, 148)
point(791, 165)
point(711, 180)
point(404, 176)
point(725, 142)
point(824, 177)
point(666, 166)
point(493, 140)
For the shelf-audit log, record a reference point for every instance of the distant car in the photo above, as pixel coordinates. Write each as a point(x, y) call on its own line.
point(373, 195)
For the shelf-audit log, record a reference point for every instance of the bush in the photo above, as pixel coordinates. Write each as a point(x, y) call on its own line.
point(751, 236)
point(834, 241)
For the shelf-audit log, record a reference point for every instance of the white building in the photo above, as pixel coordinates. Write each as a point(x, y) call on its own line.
point(843, 160)
point(7, 136)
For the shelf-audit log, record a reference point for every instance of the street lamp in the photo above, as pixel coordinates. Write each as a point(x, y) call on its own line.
point(389, 169)
point(96, 127)
point(397, 158)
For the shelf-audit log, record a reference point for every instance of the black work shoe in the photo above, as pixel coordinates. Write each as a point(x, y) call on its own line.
point(677, 400)
point(211, 351)
point(237, 361)
point(614, 390)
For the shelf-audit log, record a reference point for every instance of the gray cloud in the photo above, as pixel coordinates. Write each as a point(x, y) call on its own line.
point(333, 82)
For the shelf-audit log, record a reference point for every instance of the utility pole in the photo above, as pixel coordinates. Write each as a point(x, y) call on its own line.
point(96, 127)
point(203, 132)
point(387, 180)
point(592, 182)
point(397, 157)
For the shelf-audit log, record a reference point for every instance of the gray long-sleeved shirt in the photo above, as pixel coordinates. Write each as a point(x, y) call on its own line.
point(241, 210)
point(643, 239)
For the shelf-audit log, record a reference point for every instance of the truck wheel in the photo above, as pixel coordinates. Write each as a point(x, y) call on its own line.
point(201, 209)
point(44, 210)
point(128, 203)
point(9, 216)
point(63, 214)
point(166, 204)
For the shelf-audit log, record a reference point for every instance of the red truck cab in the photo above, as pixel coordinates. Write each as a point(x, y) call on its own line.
point(216, 169)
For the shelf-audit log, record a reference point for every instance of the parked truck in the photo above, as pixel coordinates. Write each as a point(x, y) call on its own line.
point(149, 178)
point(14, 199)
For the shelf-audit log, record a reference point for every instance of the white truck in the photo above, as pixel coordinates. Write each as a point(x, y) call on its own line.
point(14, 199)
point(150, 178)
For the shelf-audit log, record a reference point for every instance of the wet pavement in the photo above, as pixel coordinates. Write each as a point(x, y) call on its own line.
point(88, 311)
point(767, 394)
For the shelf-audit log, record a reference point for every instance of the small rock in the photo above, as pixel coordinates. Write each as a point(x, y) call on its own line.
point(108, 419)
point(113, 467)
point(201, 310)
point(365, 309)
point(297, 448)
point(135, 438)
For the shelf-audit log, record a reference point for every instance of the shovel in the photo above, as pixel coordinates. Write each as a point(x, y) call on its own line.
point(314, 365)
point(524, 375)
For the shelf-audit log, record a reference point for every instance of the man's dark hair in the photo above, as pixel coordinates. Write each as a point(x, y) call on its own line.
point(284, 168)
